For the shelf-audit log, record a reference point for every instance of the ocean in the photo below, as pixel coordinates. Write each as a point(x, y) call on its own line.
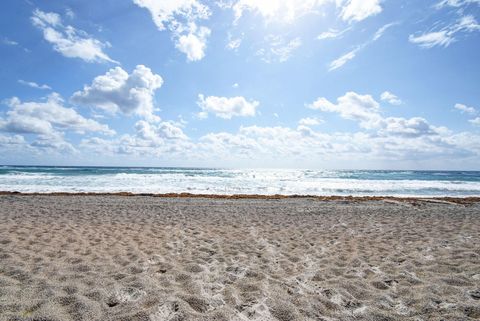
point(239, 181)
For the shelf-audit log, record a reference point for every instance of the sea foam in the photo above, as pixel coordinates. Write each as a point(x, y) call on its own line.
point(239, 181)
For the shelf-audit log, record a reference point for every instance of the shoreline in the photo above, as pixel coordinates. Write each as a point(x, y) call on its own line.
point(434, 199)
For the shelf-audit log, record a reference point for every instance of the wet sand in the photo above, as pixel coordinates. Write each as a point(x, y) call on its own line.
point(85, 257)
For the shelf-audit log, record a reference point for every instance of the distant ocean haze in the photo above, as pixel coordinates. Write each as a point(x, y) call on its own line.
point(239, 181)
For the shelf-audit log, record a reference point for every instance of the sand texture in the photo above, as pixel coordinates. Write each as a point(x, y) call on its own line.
point(166, 259)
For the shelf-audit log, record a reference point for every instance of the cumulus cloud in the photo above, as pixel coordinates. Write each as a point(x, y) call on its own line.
point(69, 13)
point(13, 140)
point(194, 43)
point(310, 121)
point(53, 143)
point(390, 98)
point(273, 143)
point(465, 109)
point(256, 143)
point(357, 10)
point(386, 138)
point(227, 108)
point(161, 131)
point(15, 145)
point(446, 35)
point(361, 108)
point(401, 127)
point(33, 84)
point(170, 13)
point(47, 118)
point(69, 41)
point(366, 111)
point(181, 17)
point(284, 145)
point(118, 91)
point(475, 121)
point(160, 140)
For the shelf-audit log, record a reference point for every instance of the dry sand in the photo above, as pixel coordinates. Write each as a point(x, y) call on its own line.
point(149, 258)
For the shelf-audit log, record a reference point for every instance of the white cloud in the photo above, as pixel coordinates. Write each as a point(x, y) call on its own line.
point(161, 140)
point(278, 49)
point(401, 127)
point(332, 33)
point(465, 109)
point(259, 142)
point(361, 108)
point(381, 31)
point(14, 140)
point(49, 118)
point(33, 84)
point(286, 11)
point(342, 60)
point(446, 35)
point(255, 143)
point(69, 13)
point(455, 3)
point(475, 121)
point(161, 131)
point(53, 143)
point(180, 17)
point(432, 39)
point(366, 111)
point(9, 42)
point(310, 121)
point(118, 91)
point(67, 40)
point(227, 108)
point(387, 139)
point(233, 43)
point(390, 98)
point(357, 10)
point(171, 13)
point(194, 43)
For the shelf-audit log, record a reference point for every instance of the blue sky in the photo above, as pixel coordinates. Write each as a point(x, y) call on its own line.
point(379, 84)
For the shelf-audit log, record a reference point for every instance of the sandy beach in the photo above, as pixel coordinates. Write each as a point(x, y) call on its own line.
point(165, 259)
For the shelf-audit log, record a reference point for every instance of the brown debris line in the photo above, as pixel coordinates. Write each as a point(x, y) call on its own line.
point(413, 200)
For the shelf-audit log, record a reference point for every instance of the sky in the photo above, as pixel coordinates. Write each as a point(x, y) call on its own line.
point(333, 84)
